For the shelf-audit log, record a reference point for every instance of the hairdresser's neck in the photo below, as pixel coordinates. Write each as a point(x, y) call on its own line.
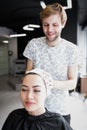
point(55, 42)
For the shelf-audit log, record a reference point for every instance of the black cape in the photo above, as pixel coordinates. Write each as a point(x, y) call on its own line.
point(20, 120)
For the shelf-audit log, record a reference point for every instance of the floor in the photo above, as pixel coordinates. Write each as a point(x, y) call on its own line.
point(10, 100)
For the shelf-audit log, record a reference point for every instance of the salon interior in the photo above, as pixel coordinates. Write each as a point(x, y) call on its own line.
point(19, 23)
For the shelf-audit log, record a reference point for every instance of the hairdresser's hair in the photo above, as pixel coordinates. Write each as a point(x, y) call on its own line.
point(53, 9)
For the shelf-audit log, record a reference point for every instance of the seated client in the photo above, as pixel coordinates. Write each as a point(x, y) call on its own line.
point(36, 87)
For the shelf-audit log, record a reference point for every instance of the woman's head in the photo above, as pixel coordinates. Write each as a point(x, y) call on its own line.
point(35, 90)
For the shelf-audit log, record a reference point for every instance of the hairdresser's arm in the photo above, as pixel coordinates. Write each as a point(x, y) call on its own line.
point(29, 65)
point(69, 84)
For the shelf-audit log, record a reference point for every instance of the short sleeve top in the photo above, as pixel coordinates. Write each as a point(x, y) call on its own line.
point(56, 61)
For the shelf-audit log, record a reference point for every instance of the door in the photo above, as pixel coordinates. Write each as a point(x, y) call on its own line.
point(4, 59)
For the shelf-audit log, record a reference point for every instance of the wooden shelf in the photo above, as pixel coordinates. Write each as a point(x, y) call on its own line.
point(84, 84)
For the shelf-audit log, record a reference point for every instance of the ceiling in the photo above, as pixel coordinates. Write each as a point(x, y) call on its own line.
point(15, 14)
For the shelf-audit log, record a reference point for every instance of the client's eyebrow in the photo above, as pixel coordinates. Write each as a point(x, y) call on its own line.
point(24, 86)
point(35, 86)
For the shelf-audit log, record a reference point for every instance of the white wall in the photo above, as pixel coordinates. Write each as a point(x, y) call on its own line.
point(5, 31)
point(82, 41)
point(12, 46)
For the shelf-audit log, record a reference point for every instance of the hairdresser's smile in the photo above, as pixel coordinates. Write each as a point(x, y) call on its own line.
point(52, 27)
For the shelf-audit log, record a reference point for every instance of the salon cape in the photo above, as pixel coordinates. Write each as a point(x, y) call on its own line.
point(20, 120)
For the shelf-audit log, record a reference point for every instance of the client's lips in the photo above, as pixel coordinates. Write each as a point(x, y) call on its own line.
point(29, 103)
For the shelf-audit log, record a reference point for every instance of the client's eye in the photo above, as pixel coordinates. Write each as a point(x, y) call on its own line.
point(23, 89)
point(37, 90)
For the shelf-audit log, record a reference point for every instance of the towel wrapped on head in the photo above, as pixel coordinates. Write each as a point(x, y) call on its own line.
point(47, 78)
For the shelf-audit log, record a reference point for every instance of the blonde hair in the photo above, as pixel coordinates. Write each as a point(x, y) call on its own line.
point(53, 9)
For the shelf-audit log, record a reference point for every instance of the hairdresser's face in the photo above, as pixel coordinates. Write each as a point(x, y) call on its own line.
point(52, 27)
point(33, 94)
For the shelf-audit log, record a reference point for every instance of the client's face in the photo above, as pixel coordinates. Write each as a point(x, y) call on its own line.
point(33, 94)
